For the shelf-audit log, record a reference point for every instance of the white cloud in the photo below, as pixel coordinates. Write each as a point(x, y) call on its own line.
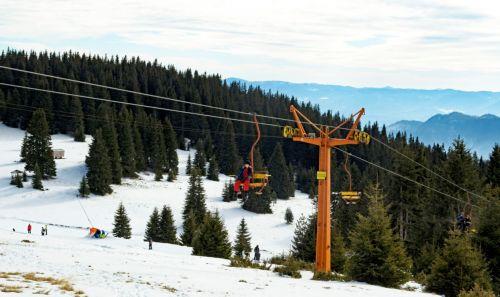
point(451, 44)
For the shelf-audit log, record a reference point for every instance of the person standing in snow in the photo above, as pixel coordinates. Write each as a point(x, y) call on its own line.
point(256, 252)
point(46, 232)
point(150, 243)
point(29, 228)
point(43, 231)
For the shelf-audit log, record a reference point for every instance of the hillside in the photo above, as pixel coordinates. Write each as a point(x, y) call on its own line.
point(385, 105)
point(479, 132)
point(116, 267)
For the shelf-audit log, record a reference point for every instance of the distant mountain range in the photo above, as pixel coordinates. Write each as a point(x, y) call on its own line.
point(386, 105)
point(480, 133)
point(429, 114)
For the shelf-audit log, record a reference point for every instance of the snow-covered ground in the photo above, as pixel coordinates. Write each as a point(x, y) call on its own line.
point(117, 267)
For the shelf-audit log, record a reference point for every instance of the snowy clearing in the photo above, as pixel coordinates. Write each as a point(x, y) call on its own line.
point(117, 267)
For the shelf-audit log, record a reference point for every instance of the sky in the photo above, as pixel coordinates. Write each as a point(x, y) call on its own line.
point(361, 43)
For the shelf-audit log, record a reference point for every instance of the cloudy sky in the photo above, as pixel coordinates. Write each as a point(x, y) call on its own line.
point(409, 43)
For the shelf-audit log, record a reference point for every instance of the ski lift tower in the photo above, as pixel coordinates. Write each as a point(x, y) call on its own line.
point(325, 142)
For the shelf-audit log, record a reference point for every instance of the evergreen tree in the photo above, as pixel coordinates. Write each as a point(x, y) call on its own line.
point(338, 252)
point(37, 148)
point(476, 291)
point(280, 180)
point(488, 238)
point(126, 143)
point(157, 149)
point(111, 140)
point(211, 238)
point(84, 189)
point(242, 244)
point(153, 230)
point(18, 181)
point(378, 255)
point(37, 178)
point(99, 173)
point(288, 216)
point(259, 203)
point(189, 166)
point(458, 267)
point(195, 198)
point(228, 193)
point(25, 176)
point(171, 153)
point(227, 152)
point(140, 161)
point(168, 233)
point(213, 170)
point(2, 104)
point(122, 223)
point(493, 174)
point(189, 227)
point(304, 239)
point(24, 147)
point(199, 158)
point(77, 125)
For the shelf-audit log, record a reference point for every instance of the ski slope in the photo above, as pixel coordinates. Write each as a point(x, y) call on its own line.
point(118, 267)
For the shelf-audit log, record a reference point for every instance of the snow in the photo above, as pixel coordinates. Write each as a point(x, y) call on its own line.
point(117, 267)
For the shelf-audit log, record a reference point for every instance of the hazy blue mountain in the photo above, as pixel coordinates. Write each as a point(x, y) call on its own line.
point(386, 105)
point(480, 133)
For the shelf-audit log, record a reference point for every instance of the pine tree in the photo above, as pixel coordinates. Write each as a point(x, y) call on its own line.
point(195, 198)
point(157, 149)
point(338, 252)
point(189, 227)
point(122, 223)
point(211, 238)
point(228, 193)
point(280, 181)
point(37, 148)
point(488, 238)
point(493, 173)
point(171, 153)
point(168, 233)
point(84, 189)
point(18, 181)
point(304, 239)
point(77, 125)
point(378, 255)
point(37, 178)
point(140, 161)
point(126, 143)
point(111, 140)
point(227, 152)
point(458, 267)
point(153, 230)
point(24, 147)
point(213, 170)
point(25, 176)
point(259, 203)
point(188, 165)
point(99, 173)
point(199, 158)
point(242, 244)
point(288, 216)
point(476, 291)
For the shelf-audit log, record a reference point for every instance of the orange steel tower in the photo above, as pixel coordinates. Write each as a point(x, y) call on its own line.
point(325, 143)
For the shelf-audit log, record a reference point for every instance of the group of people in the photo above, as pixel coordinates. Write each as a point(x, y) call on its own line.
point(29, 228)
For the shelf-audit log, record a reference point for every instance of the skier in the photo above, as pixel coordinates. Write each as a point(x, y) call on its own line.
point(29, 228)
point(243, 178)
point(256, 252)
point(46, 232)
point(43, 231)
point(150, 243)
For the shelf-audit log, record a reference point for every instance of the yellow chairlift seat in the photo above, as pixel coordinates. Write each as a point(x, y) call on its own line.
point(260, 179)
point(350, 197)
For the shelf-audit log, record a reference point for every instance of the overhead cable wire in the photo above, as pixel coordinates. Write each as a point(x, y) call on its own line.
point(404, 177)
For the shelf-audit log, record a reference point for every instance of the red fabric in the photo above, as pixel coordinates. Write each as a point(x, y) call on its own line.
point(245, 173)
point(246, 185)
point(29, 227)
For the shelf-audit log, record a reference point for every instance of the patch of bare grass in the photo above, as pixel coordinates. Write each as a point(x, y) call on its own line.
point(10, 289)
